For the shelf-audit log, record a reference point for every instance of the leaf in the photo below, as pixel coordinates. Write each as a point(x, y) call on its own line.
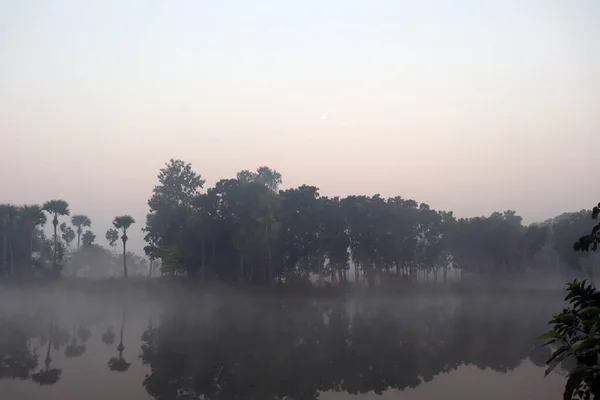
point(556, 359)
point(548, 335)
point(577, 345)
point(573, 383)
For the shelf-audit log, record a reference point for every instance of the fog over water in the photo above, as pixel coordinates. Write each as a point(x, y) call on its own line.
point(183, 343)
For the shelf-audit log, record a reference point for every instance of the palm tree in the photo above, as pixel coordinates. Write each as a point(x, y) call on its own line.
point(124, 222)
point(32, 216)
point(7, 213)
point(56, 208)
point(80, 221)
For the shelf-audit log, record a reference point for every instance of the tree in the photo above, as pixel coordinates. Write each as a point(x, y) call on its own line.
point(7, 215)
point(171, 205)
point(67, 234)
point(576, 330)
point(123, 223)
point(112, 235)
point(576, 333)
point(263, 175)
point(32, 216)
point(56, 208)
point(80, 221)
point(88, 238)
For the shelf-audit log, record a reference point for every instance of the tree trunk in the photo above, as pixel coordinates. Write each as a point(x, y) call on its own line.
point(4, 250)
point(125, 258)
point(78, 237)
point(151, 267)
point(55, 252)
point(30, 258)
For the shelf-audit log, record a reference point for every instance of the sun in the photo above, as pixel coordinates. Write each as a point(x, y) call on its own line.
point(323, 117)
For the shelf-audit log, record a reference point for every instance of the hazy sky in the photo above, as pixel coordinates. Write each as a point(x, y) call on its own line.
point(473, 106)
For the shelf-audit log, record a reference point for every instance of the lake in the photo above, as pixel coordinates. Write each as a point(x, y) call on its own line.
point(60, 343)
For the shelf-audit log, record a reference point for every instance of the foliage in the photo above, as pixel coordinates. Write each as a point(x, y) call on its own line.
point(576, 330)
point(80, 221)
point(591, 240)
point(112, 235)
point(244, 230)
point(576, 333)
point(88, 238)
point(67, 234)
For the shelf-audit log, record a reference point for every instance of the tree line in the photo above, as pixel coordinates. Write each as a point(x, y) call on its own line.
point(25, 248)
point(246, 230)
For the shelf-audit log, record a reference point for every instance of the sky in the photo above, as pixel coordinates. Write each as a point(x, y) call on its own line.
point(466, 105)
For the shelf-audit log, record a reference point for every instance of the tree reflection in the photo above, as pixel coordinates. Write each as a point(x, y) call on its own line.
point(17, 358)
point(48, 375)
point(297, 349)
point(108, 337)
point(119, 364)
point(74, 349)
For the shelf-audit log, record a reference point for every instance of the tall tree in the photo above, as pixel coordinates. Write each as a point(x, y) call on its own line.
point(32, 216)
point(7, 215)
point(123, 223)
point(56, 208)
point(171, 207)
point(80, 221)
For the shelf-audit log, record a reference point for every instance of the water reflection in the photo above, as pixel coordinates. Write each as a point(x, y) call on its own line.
point(272, 349)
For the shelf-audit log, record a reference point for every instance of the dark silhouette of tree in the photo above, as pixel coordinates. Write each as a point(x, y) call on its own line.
point(88, 238)
point(112, 236)
point(32, 216)
point(123, 223)
point(67, 234)
point(7, 215)
point(80, 221)
point(56, 208)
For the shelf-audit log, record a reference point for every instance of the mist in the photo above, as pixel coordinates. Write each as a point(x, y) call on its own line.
point(299, 200)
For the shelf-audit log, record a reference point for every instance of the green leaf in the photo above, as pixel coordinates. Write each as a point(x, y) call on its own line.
point(591, 310)
point(548, 335)
point(577, 345)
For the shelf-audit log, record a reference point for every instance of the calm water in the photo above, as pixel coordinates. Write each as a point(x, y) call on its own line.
point(240, 347)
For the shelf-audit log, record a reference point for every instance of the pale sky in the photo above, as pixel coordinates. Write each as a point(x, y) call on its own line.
point(468, 105)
